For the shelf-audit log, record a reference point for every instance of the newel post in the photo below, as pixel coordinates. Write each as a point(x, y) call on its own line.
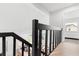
point(34, 37)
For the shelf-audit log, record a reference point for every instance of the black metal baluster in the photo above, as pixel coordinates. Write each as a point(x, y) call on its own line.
point(4, 46)
point(53, 41)
point(50, 41)
point(14, 46)
point(46, 39)
point(61, 35)
point(22, 49)
point(40, 42)
point(28, 50)
point(57, 38)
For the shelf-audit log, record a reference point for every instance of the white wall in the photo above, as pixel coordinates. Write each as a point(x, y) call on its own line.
point(56, 20)
point(72, 16)
point(67, 15)
point(18, 18)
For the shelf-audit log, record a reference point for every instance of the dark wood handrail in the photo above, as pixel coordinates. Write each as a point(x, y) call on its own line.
point(21, 39)
point(5, 34)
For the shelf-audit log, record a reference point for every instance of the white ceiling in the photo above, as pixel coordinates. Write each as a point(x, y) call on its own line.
point(51, 7)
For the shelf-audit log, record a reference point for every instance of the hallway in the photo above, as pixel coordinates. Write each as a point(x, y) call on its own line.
point(67, 48)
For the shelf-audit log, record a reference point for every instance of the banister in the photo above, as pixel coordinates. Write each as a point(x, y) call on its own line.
point(7, 34)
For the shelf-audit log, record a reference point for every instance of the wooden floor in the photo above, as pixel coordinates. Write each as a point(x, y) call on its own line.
point(67, 48)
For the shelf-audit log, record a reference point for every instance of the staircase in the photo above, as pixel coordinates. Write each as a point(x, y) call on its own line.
point(15, 37)
point(25, 44)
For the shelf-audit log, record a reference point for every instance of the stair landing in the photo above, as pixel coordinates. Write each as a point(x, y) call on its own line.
point(67, 48)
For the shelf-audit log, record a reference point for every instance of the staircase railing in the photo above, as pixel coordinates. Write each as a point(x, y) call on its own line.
point(15, 37)
point(51, 41)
